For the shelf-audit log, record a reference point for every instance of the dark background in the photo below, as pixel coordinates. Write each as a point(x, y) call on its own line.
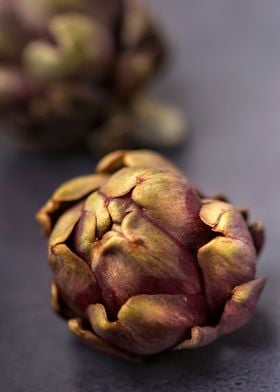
point(226, 76)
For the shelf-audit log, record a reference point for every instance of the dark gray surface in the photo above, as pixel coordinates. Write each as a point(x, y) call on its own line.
point(227, 76)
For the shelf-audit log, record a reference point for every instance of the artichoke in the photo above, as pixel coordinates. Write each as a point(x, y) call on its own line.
point(71, 73)
point(143, 263)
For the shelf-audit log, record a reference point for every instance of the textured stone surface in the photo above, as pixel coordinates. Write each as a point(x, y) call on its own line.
point(226, 74)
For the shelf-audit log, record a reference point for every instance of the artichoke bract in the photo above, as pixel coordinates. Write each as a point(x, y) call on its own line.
point(143, 263)
point(71, 72)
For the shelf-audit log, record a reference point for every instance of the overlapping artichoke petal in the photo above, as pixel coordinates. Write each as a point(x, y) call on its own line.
point(142, 259)
point(174, 204)
point(78, 187)
point(111, 162)
point(138, 158)
point(76, 326)
point(67, 194)
point(144, 174)
point(65, 225)
point(96, 203)
point(84, 235)
point(119, 207)
point(223, 218)
point(229, 259)
point(147, 158)
point(171, 259)
point(124, 180)
point(148, 324)
point(74, 277)
point(241, 306)
point(238, 310)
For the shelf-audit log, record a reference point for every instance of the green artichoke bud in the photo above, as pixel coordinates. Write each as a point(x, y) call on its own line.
point(143, 263)
point(68, 68)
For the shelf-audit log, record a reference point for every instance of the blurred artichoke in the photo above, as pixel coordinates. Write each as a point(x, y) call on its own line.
point(142, 263)
point(71, 71)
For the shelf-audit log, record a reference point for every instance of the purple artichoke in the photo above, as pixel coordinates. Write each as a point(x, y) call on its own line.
point(71, 72)
point(143, 263)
